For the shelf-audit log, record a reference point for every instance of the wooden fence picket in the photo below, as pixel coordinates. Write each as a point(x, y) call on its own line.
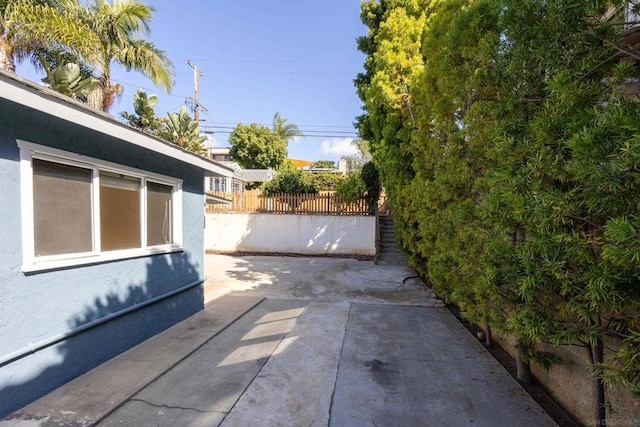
point(325, 203)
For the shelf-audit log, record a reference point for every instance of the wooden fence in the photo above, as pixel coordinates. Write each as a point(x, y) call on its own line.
point(302, 204)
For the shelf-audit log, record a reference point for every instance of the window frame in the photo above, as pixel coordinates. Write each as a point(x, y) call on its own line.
point(33, 263)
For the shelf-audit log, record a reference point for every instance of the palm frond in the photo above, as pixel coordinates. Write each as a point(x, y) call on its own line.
point(286, 131)
point(143, 56)
point(132, 17)
point(40, 25)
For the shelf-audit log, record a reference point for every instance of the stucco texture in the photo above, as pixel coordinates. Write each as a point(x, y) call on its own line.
point(35, 307)
point(299, 234)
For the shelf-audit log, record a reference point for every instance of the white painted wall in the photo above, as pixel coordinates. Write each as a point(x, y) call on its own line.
point(298, 234)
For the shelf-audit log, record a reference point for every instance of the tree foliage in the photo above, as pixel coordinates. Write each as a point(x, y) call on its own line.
point(327, 181)
point(286, 131)
point(325, 164)
point(362, 184)
point(68, 79)
point(144, 116)
point(290, 180)
point(117, 31)
point(180, 129)
point(352, 188)
point(508, 150)
point(257, 147)
point(177, 128)
point(372, 184)
point(99, 34)
point(29, 28)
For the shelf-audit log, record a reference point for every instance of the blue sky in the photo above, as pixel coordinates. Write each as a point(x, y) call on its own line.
point(298, 57)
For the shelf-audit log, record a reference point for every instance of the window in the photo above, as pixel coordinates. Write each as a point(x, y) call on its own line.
point(119, 211)
point(78, 210)
point(61, 208)
point(159, 214)
point(219, 184)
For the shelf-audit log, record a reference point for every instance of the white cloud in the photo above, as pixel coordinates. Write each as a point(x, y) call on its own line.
point(337, 148)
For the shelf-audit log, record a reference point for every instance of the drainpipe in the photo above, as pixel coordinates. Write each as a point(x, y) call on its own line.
point(34, 348)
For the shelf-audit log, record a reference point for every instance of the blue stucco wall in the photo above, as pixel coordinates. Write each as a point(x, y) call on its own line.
point(37, 306)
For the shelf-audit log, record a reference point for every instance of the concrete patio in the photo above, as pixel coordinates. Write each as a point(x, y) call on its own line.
point(293, 341)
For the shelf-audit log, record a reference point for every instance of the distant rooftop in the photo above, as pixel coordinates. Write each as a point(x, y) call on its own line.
point(256, 175)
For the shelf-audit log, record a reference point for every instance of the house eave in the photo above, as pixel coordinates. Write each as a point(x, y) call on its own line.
point(40, 98)
point(212, 199)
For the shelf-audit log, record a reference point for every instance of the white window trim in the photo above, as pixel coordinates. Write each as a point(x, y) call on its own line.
point(31, 263)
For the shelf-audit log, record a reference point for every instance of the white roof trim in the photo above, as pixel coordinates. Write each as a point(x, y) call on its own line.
point(27, 93)
point(213, 199)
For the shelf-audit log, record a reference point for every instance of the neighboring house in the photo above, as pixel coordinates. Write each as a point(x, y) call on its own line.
point(341, 169)
point(300, 164)
point(256, 175)
point(629, 15)
point(241, 176)
point(223, 184)
point(219, 154)
point(236, 183)
point(102, 241)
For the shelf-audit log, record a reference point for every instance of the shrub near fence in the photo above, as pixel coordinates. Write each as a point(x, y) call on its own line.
point(303, 204)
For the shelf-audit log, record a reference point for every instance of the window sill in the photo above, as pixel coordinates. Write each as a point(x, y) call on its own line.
point(59, 264)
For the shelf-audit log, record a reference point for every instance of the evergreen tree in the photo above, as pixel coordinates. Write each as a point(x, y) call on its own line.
point(506, 141)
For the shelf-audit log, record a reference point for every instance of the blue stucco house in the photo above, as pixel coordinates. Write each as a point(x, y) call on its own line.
point(101, 238)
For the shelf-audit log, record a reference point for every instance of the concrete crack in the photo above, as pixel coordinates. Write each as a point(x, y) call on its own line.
point(335, 384)
point(175, 407)
point(404, 281)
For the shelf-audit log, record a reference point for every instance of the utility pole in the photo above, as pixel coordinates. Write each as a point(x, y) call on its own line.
point(195, 102)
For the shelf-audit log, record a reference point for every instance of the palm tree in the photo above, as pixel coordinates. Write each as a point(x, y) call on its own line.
point(101, 34)
point(31, 27)
point(116, 29)
point(286, 131)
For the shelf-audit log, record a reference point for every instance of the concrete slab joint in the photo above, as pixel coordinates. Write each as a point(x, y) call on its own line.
point(300, 342)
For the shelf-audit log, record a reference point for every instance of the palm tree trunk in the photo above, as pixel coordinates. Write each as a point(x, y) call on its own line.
point(6, 55)
point(96, 97)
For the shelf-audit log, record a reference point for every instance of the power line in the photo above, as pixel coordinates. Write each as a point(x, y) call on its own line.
point(279, 61)
point(351, 73)
point(146, 89)
point(227, 132)
point(171, 110)
point(347, 133)
point(267, 125)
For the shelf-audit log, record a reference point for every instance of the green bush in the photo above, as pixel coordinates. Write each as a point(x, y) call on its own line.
point(327, 181)
point(352, 188)
point(291, 181)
